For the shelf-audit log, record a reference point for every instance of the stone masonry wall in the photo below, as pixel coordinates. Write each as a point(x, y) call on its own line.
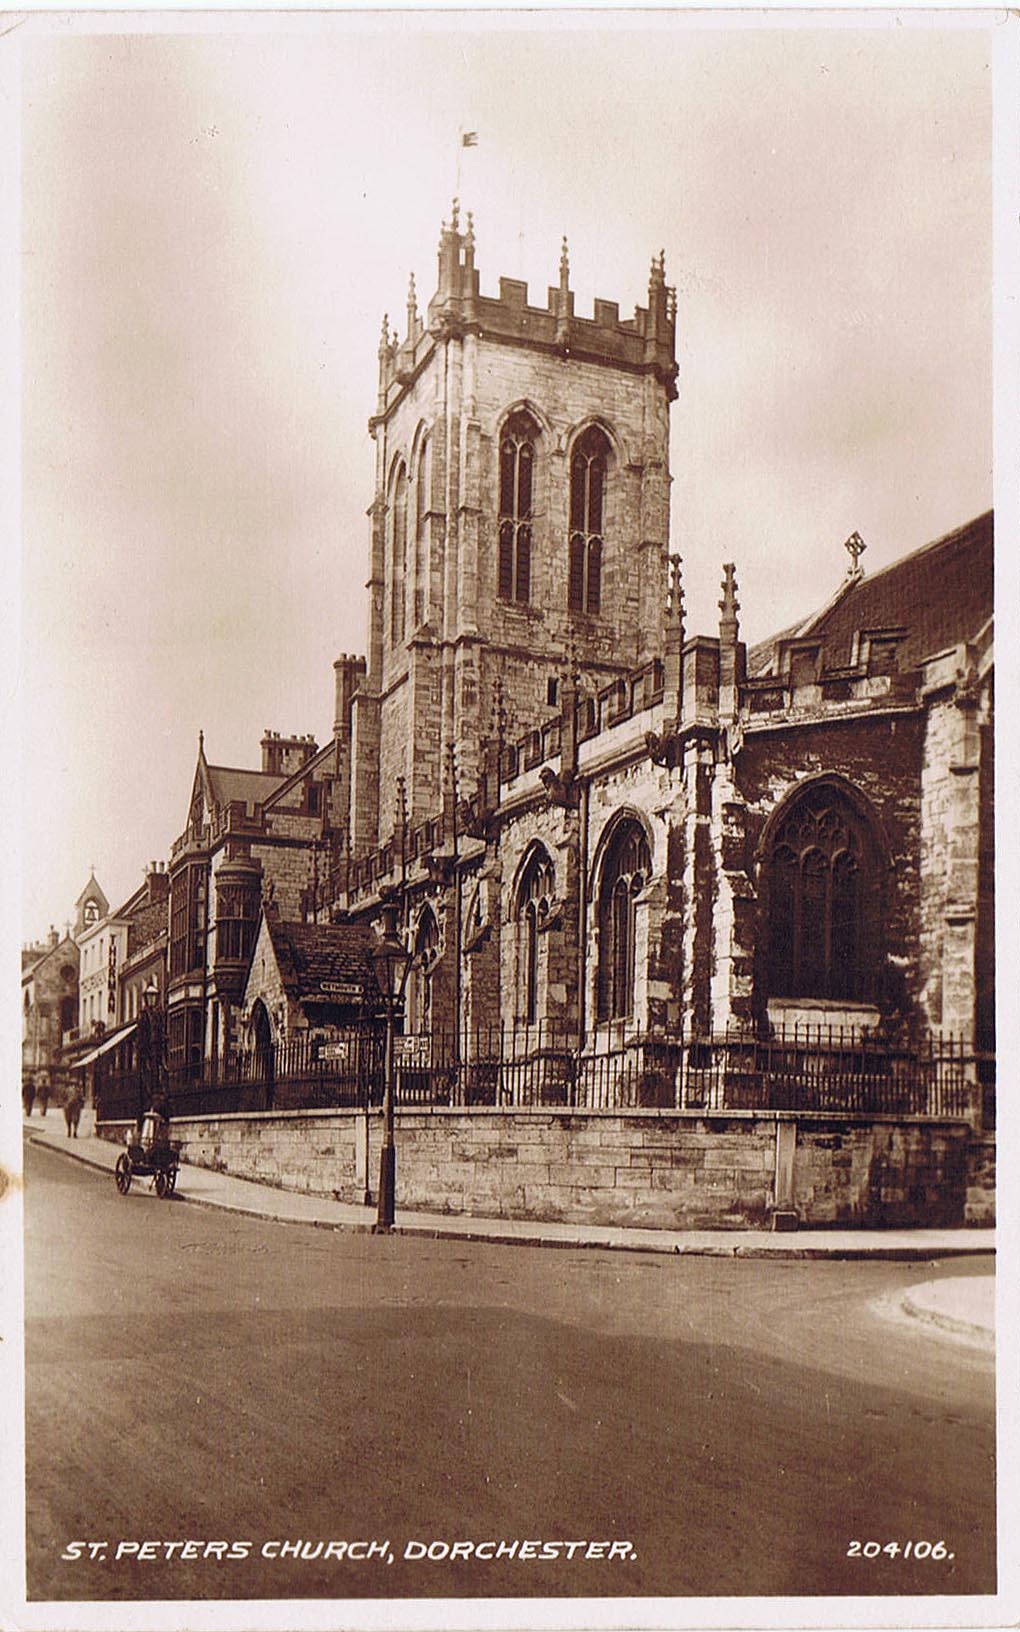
point(652, 1169)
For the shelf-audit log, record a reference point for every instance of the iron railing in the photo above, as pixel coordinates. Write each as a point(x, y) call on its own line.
point(790, 1069)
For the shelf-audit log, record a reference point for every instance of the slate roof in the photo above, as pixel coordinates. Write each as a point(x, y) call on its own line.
point(941, 594)
point(309, 954)
point(252, 787)
point(146, 925)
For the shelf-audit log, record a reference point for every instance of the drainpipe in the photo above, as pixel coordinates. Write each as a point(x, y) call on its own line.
point(582, 916)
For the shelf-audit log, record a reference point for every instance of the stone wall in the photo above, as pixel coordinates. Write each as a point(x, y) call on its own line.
point(980, 1203)
point(654, 1169)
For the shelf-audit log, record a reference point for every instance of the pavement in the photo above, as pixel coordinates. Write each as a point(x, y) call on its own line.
point(961, 1307)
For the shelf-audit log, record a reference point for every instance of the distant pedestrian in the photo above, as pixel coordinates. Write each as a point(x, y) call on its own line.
point(28, 1095)
point(72, 1111)
point(44, 1095)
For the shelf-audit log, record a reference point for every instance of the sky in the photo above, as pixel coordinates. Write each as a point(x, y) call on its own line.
point(216, 212)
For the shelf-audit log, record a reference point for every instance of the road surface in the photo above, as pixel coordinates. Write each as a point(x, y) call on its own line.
point(702, 1426)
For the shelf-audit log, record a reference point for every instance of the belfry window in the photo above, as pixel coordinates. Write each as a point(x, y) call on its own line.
point(516, 497)
point(398, 554)
point(824, 918)
point(421, 538)
point(589, 463)
point(534, 894)
point(625, 872)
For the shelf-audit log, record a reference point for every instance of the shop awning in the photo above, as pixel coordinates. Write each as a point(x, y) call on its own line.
point(104, 1047)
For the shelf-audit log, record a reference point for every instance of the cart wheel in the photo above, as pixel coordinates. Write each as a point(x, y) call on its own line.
point(162, 1186)
point(122, 1174)
point(171, 1180)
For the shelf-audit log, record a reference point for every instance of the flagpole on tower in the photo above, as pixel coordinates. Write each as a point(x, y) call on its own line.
point(465, 138)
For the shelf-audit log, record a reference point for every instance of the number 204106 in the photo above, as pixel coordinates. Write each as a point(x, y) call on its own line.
point(896, 1549)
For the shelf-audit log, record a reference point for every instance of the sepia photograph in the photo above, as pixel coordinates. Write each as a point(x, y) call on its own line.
point(502, 685)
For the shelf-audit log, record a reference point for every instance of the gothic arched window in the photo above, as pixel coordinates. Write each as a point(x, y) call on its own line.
point(534, 895)
point(589, 463)
point(516, 497)
point(398, 552)
point(426, 952)
point(625, 872)
point(421, 538)
point(824, 917)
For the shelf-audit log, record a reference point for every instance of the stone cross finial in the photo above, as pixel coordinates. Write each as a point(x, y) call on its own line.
point(455, 214)
point(469, 236)
point(855, 548)
point(564, 264)
point(675, 590)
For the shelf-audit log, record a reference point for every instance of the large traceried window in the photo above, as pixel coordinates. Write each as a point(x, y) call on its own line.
point(625, 872)
point(824, 915)
point(589, 464)
point(534, 896)
point(398, 554)
point(421, 533)
point(516, 499)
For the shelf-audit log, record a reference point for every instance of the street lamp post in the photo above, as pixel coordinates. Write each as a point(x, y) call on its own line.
point(148, 1059)
point(392, 961)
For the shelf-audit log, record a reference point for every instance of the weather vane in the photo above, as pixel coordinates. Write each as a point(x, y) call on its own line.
point(855, 548)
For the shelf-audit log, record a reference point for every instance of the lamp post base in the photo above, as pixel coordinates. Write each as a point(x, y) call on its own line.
point(387, 1187)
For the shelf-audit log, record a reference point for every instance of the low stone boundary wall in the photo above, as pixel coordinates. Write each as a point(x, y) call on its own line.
point(661, 1169)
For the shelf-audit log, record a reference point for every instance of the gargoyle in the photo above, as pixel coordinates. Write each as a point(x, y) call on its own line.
point(559, 790)
point(472, 819)
point(663, 748)
point(438, 867)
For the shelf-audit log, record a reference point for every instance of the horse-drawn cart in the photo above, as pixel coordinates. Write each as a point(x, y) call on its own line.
point(149, 1155)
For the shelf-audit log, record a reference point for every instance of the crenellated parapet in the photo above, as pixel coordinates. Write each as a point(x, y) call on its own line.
point(643, 344)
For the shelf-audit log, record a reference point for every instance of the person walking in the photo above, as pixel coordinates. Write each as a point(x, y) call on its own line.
point(44, 1095)
point(72, 1110)
point(28, 1095)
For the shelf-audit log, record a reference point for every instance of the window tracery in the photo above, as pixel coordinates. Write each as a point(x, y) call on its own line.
point(625, 872)
point(516, 500)
point(589, 464)
point(534, 894)
point(823, 919)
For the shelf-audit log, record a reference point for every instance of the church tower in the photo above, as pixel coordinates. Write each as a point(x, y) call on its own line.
point(520, 521)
